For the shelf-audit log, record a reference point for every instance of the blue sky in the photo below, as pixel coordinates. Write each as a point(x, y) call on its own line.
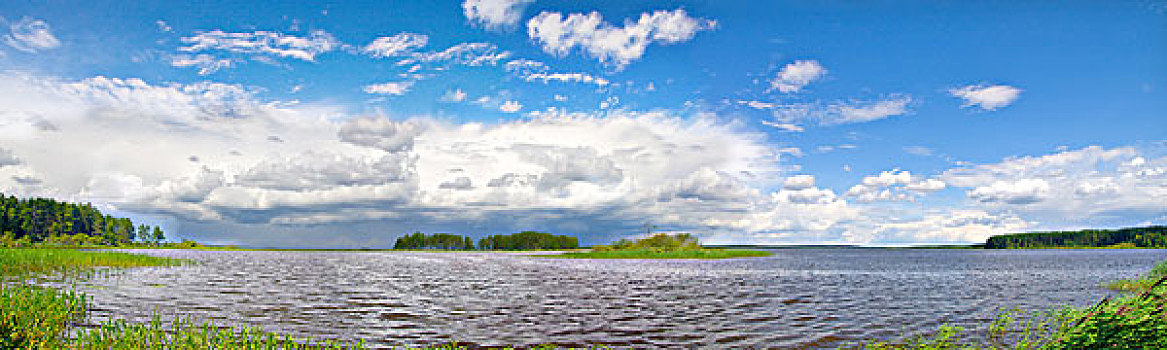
point(348, 124)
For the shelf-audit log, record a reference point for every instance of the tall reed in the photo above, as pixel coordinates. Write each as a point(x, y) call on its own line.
point(24, 263)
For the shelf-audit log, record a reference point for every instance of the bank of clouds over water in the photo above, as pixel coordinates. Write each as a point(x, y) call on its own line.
point(217, 158)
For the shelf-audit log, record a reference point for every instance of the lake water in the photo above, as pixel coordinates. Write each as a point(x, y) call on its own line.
point(797, 298)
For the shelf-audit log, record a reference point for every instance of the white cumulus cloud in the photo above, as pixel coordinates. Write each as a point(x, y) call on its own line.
point(1091, 186)
point(799, 182)
point(618, 46)
point(510, 106)
point(381, 133)
point(494, 14)
point(986, 97)
point(599, 175)
point(794, 76)
point(1022, 191)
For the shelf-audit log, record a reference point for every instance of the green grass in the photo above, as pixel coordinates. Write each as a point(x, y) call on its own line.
point(34, 317)
point(188, 334)
point(37, 318)
point(658, 254)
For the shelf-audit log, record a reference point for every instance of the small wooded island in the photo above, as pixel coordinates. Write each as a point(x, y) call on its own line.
point(526, 240)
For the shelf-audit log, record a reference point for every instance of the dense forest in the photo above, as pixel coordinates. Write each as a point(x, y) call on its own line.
point(518, 241)
point(45, 221)
point(528, 240)
point(1141, 237)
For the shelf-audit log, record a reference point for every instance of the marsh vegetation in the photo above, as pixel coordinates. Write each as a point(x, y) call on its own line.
point(35, 317)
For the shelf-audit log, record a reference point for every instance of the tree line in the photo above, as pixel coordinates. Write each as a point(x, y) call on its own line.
point(46, 221)
point(528, 240)
point(444, 241)
point(518, 241)
point(1142, 237)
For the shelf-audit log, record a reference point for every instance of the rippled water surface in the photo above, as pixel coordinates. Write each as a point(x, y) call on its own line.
point(796, 298)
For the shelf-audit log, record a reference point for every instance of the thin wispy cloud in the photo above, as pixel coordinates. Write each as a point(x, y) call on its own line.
point(395, 45)
point(205, 63)
point(837, 113)
point(389, 88)
point(30, 35)
point(304, 48)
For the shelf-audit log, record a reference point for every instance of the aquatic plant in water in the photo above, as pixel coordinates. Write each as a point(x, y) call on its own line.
point(35, 317)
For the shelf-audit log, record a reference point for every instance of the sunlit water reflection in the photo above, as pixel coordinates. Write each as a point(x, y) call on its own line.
point(797, 298)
